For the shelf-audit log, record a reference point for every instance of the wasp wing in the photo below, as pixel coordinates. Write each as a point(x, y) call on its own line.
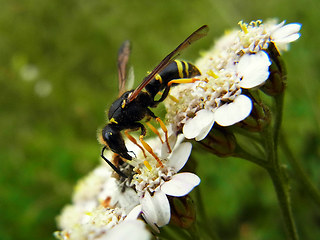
point(130, 79)
point(199, 33)
point(123, 57)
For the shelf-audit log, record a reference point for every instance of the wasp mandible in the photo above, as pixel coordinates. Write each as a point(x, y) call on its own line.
point(132, 106)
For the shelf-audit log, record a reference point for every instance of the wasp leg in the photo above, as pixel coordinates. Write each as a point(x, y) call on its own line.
point(163, 127)
point(173, 98)
point(137, 125)
point(149, 149)
point(165, 130)
point(132, 139)
point(167, 89)
point(183, 80)
point(143, 133)
point(163, 96)
point(117, 170)
point(153, 129)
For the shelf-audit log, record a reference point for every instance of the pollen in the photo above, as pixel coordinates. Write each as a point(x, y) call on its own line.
point(256, 23)
point(212, 74)
point(146, 163)
point(88, 213)
point(243, 26)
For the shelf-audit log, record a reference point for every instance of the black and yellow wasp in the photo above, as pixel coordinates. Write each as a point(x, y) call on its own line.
point(132, 106)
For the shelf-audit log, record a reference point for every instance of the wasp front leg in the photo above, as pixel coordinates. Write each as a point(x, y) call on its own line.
point(144, 144)
point(117, 170)
point(134, 141)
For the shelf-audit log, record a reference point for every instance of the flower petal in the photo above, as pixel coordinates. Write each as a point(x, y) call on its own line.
point(283, 34)
point(253, 69)
point(199, 125)
point(288, 39)
point(180, 156)
point(136, 229)
point(204, 132)
point(156, 208)
point(236, 111)
point(134, 213)
point(180, 184)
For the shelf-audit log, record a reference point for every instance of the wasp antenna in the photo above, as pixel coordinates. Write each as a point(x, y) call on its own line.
point(117, 170)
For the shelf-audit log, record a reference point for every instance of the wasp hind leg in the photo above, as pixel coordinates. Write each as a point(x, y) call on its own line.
point(165, 130)
point(117, 170)
point(184, 80)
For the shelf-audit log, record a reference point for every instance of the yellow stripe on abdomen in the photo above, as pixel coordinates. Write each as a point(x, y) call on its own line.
point(180, 68)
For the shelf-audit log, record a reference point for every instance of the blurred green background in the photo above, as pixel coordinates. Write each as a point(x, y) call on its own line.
point(58, 76)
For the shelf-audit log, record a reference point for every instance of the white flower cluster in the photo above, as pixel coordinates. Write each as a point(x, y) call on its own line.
point(106, 207)
point(101, 201)
point(238, 61)
point(101, 210)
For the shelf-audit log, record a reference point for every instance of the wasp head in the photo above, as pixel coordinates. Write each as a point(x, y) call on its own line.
point(113, 139)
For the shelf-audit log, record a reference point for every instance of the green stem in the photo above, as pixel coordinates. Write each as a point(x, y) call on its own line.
point(299, 172)
point(278, 120)
point(246, 133)
point(241, 153)
point(282, 190)
point(279, 182)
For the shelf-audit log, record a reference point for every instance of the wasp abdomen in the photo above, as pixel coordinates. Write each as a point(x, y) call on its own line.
point(175, 70)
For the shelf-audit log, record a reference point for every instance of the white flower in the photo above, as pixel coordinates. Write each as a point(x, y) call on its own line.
point(238, 61)
point(101, 204)
point(106, 223)
point(154, 182)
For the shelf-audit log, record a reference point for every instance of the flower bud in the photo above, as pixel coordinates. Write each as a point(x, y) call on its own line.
point(220, 142)
point(276, 82)
point(183, 211)
point(257, 120)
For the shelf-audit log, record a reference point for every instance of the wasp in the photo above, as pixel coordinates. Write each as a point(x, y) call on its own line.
point(133, 106)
